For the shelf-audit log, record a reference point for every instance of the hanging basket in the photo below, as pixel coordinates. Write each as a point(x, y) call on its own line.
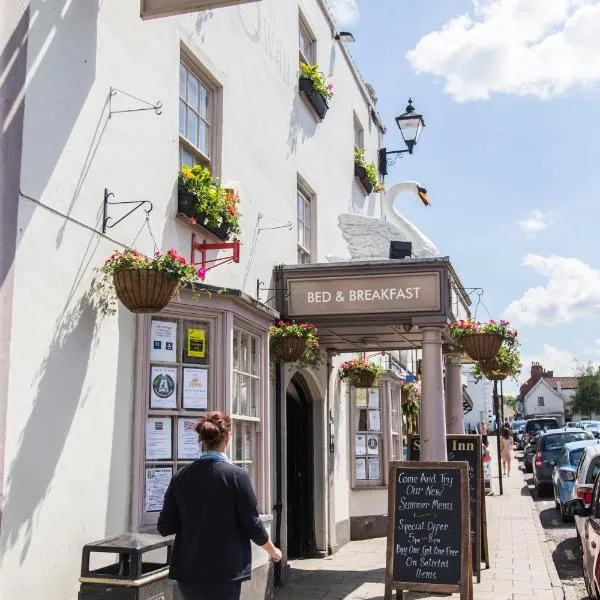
point(481, 346)
point(289, 348)
point(144, 290)
point(493, 370)
point(366, 379)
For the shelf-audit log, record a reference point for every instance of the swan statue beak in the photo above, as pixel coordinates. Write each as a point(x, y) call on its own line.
point(422, 193)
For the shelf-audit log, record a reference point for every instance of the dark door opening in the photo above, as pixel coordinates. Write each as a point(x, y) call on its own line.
point(300, 465)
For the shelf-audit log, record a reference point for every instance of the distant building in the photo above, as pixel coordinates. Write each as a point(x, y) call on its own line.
point(481, 396)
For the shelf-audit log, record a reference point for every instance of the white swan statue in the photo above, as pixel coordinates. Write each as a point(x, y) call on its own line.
point(369, 238)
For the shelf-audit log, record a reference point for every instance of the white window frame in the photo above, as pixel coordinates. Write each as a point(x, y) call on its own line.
point(220, 322)
point(359, 134)
point(541, 401)
point(305, 32)
point(306, 251)
point(214, 115)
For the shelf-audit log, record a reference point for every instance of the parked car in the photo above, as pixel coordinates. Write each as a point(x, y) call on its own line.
point(549, 447)
point(591, 426)
point(588, 469)
point(518, 430)
point(534, 426)
point(565, 470)
point(588, 518)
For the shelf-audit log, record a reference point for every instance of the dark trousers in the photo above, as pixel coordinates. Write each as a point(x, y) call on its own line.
point(216, 591)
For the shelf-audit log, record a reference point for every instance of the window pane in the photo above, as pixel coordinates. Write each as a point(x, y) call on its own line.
point(181, 117)
point(182, 76)
point(203, 132)
point(300, 207)
point(306, 211)
point(254, 356)
point(187, 158)
point(192, 128)
point(301, 235)
point(236, 349)
point(254, 398)
point(192, 89)
point(203, 101)
point(361, 420)
point(245, 392)
point(244, 352)
point(235, 394)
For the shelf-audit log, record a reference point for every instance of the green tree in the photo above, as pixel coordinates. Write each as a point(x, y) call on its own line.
point(511, 402)
point(587, 398)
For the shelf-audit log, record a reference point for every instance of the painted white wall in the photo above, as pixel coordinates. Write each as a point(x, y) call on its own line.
point(341, 467)
point(481, 393)
point(68, 454)
point(553, 402)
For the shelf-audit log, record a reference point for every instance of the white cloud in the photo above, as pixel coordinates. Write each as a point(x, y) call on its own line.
point(525, 47)
point(345, 12)
point(562, 362)
point(571, 292)
point(536, 222)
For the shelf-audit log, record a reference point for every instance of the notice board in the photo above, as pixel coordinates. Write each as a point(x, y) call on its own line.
point(467, 448)
point(428, 538)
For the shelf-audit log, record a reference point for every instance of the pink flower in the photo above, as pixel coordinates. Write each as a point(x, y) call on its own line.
point(202, 273)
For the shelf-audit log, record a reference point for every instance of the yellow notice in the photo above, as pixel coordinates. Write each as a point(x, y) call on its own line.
point(196, 343)
point(361, 397)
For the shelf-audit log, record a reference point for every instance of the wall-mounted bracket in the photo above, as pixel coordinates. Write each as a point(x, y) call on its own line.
point(156, 107)
point(203, 248)
point(107, 203)
point(260, 286)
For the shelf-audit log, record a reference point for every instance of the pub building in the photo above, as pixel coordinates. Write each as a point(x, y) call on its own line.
point(97, 412)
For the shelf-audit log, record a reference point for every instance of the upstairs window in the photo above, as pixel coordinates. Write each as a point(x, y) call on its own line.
point(540, 400)
point(306, 44)
point(196, 117)
point(304, 227)
point(359, 135)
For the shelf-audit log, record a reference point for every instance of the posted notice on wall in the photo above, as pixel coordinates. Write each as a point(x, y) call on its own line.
point(372, 444)
point(188, 447)
point(361, 397)
point(163, 387)
point(374, 467)
point(374, 420)
point(159, 438)
point(163, 341)
point(195, 388)
point(373, 397)
point(196, 343)
point(360, 468)
point(361, 444)
point(157, 482)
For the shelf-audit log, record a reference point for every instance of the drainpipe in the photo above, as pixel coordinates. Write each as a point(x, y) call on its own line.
point(278, 468)
point(330, 456)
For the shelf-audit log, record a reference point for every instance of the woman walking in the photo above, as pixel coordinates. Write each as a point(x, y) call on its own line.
point(506, 449)
point(210, 506)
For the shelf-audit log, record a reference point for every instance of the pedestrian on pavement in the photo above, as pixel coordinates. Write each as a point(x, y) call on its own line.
point(506, 444)
point(210, 506)
point(506, 424)
point(484, 433)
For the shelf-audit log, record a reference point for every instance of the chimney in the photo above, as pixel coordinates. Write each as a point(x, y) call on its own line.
point(536, 372)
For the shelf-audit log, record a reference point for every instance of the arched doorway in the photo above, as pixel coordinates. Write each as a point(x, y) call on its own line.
point(300, 470)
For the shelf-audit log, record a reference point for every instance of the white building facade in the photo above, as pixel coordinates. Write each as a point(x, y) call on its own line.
point(99, 101)
point(543, 400)
point(481, 393)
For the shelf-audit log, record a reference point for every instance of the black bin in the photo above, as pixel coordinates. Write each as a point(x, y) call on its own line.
point(131, 578)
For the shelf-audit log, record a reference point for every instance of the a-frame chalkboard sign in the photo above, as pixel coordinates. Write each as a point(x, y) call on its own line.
point(466, 447)
point(428, 542)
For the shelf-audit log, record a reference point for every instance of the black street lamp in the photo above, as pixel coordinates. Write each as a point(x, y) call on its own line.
point(411, 126)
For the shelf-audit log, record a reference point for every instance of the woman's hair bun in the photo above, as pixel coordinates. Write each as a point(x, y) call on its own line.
point(213, 428)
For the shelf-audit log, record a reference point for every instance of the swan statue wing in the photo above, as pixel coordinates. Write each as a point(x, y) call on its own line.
point(367, 237)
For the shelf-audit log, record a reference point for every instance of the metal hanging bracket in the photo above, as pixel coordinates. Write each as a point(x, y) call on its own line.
point(107, 203)
point(156, 107)
point(204, 247)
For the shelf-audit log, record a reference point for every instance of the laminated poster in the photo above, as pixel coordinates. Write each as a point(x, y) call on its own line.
point(374, 468)
point(157, 482)
point(195, 388)
point(374, 420)
point(196, 343)
point(360, 468)
point(361, 397)
point(163, 393)
point(163, 341)
point(158, 438)
point(372, 445)
point(361, 445)
point(188, 447)
point(373, 397)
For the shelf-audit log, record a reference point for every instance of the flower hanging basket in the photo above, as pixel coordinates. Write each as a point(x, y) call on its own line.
point(492, 370)
point(363, 380)
point(144, 290)
point(481, 346)
point(290, 348)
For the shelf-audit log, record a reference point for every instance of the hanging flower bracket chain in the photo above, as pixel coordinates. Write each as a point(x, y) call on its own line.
point(105, 218)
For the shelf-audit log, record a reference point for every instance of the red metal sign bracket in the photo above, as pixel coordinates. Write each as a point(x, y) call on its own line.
point(204, 247)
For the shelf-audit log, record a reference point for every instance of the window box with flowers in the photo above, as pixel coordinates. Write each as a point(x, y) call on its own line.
point(366, 172)
point(292, 342)
point(481, 341)
point(314, 87)
point(360, 373)
point(206, 204)
point(141, 283)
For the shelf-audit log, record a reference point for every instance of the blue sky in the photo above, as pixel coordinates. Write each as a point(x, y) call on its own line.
point(509, 92)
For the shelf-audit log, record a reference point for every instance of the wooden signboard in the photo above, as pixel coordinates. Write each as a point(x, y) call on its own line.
point(467, 448)
point(428, 545)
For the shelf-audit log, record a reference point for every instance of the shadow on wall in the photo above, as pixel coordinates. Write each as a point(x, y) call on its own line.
point(61, 50)
point(59, 395)
point(117, 508)
point(302, 124)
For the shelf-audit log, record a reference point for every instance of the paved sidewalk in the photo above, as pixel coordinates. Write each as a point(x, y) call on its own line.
point(521, 563)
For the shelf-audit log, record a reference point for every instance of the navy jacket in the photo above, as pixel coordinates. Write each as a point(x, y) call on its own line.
point(211, 508)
